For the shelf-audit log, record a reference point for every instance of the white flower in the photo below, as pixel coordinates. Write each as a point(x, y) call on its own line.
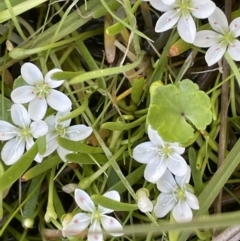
point(62, 129)
point(21, 135)
point(224, 38)
point(176, 197)
point(180, 12)
point(159, 156)
point(40, 92)
point(95, 217)
point(143, 202)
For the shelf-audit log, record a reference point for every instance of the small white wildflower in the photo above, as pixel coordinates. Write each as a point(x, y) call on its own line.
point(40, 92)
point(223, 39)
point(180, 12)
point(63, 129)
point(20, 136)
point(95, 216)
point(159, 156)
point(175, 197)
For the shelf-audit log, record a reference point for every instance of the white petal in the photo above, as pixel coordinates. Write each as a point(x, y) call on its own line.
point(31, 73)
point(167, 21)
point(154, 137)
point(112, 226)
point(192, 200)
point(51, 82)
point(51, 122)
point(95, 232)
point(12, 151)
point(218, 21)
point(7, 131)
point(113, 195)
point(23, 94)
point(182, 180)
point(234, 50)
point(63, 123)
point(20, 116)
point(38, 158)
point(176, 164)
point(78, 132)
point(235, 27)
point(202, 9)
point(37, 108)
point(78, 223)
point(182, 212)
point(206, 38)
point(165, 203)
point(215, 53)
point(38, 128)
point(144, 152)
point(187, 28)
point(161, 5)
point(176, 148)
point(52, 144)
point(166, 184)
point(168, 2)
point(62, 153)
point(84, 201)
point(59, 101)
point(154, 169)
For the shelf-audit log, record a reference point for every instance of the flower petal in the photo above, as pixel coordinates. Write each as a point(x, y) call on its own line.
point(235, 27)
point(144, 152)
point(206, 38)
point(215, 53)
point(95, 232)
point(162, 5)
point(113, 195)
point(182, 212)
point(154, 137)
point(154, 169)
point(182, 180)
point(84, 201)
point(38, 128)
point(176, 164)
point(59, 101)
point(145, 205)
point(166, 184)
point(31, 73)
point(167, 20)
point(23, 94)
point(165, 203)
point(78, 223)
point(37, 108)
point(186, 27)
point(78, 132)
point(51, 122)
point(59, 115)
point(218, 21)
point(51, 82)
point(52, 144)
point(112, 226)
point(62, 153)
point(192, 200)
point(12, 151)
point(202, 9)
point(20, 116)
point(167, 2)
point(7, 131)
point(234, 50)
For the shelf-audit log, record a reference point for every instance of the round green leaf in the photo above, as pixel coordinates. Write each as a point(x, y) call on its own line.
point(176, 110)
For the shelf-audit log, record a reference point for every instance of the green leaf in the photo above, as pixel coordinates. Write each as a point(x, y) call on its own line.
point(17, 169)
point(5, 105)
point(176, 110)
point(112, 204)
